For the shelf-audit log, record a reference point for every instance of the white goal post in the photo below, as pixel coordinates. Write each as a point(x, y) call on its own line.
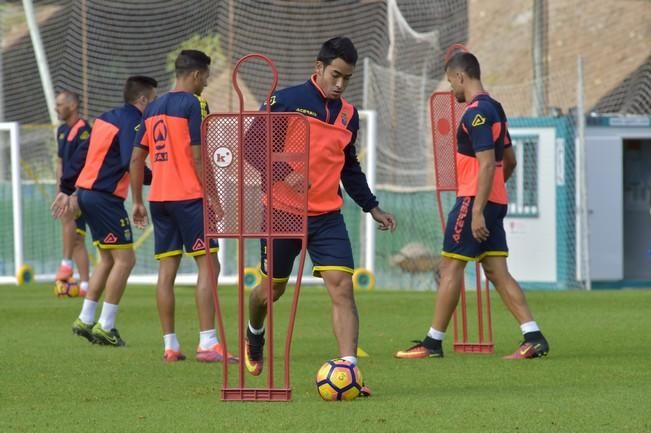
point(16, 198)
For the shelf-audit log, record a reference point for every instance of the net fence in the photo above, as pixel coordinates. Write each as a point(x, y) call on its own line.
point(92, 46)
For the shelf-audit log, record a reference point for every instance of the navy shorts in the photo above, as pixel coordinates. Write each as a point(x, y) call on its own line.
point(80, 222)
point(179, 224)
point(107, 218)
point(459, 243)
point(327, 242)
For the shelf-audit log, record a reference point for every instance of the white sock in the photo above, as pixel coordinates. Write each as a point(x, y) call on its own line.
point(529, 327)
point(436, 334)
point(351, 359)
point(87, 314)
point(67, 262)
point(84, 286)
point(256, 331)
point(107, 318)
point(207, 339)
point(171, 342)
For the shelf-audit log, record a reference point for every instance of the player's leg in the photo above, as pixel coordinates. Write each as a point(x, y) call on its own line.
point(105, 332)
point(203, 295)
point(534, 345)
point(258, 300)
point(332, 256)
point(284, 253)
point(508, 288)
point(168, 251)
point(68, 234)
point(447, 295)
point(83, 325)
point(187, 215)
point(345, 320)
point(209, 348)
point(493, 259)
point(80, 255)
point(111, 232)
point(459, 247)
point(165, 301)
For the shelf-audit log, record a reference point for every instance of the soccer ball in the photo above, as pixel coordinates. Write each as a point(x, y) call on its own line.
point(338, 379)
point(66, 289)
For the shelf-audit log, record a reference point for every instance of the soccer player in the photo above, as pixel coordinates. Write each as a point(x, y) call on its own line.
point(171, 135)
point(102, 187)
point(474, 231)
point(72, 140)
point(334, 123)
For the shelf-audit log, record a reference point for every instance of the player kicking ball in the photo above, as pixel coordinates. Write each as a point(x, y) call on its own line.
point(334, 124)
point(475, 228)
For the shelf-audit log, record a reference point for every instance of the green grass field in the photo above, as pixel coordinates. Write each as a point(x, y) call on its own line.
point(596, 379)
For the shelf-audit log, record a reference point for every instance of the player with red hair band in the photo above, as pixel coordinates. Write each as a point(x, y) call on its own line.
point(475, 230)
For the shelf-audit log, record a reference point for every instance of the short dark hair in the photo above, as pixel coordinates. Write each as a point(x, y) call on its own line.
point(190, 61)
point(69, 94)
point(138, 85)
point(465, 61)
point(337, 48)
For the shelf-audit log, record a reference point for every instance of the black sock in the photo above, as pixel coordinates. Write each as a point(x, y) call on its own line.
point(431, 343)
point(533, 336)
point(257, 339)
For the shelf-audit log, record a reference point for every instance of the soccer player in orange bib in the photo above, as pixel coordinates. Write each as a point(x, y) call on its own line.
point(102, 187)
point(475, 229)
point(171, 135)
point(334, 124)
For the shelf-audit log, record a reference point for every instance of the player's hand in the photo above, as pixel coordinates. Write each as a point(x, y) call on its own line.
point(297, 181)
point(60, 205)
point(479, 230)
point(74, 207)
point(386, 220)
point(139, 215)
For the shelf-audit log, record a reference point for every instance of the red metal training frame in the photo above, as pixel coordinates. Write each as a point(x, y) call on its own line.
point(223, 140)
point(445, 115)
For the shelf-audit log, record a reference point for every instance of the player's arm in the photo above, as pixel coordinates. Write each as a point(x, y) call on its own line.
point(58, 172)
point(60, 153)
point(127, 137)
point(356, 185)
point(77, 160)
point(486, 159)
point(196, 160)
point(137, 173)
point(198, 111)
point(69, 174)
point(61, 202)
point(509, 160)
point(479, 123)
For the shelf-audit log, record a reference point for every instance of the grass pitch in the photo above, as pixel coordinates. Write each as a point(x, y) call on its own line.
point(596, 379)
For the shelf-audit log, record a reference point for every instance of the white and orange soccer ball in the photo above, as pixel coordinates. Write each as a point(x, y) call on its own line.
point(339, 379)
point(66, 289)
